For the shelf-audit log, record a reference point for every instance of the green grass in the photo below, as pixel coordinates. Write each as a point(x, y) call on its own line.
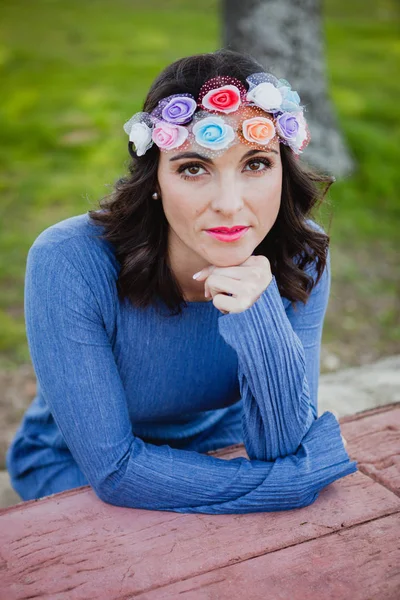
point(73, 72)
point(363, 51)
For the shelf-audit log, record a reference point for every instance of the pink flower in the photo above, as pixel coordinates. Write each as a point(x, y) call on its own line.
point(168, 136)
point(224, 99)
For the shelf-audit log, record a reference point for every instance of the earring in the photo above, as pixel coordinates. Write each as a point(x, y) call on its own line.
point(155, 196)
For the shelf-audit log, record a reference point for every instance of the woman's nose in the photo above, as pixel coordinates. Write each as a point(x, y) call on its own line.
point(228, 197)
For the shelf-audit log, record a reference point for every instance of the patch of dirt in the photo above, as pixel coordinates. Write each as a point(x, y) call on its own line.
point(17, 390)
point(362, 323)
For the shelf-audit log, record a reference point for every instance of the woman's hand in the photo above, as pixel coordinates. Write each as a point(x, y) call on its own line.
point(235, 289)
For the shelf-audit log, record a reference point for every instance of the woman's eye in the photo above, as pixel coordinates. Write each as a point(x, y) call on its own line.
point(257, 165)
point(192, 170)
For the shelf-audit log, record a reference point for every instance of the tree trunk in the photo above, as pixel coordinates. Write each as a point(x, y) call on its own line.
point(285, 36)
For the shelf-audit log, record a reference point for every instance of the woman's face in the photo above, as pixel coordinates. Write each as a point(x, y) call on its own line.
point(241, 187)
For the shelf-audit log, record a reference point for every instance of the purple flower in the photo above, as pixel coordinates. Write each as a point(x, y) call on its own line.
point(287, 126)
point(178, 109)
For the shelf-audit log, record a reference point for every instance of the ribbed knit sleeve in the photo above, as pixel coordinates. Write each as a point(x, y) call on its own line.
point(278, 358)
point(76, 370)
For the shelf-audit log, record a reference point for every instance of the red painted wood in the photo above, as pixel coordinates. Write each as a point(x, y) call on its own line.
point(74, 546)
point(79, 544)
point(102, 550)
point(374, 441)
point(370, 412)
point(359, 563)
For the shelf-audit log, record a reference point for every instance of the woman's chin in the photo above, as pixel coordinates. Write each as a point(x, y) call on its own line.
point(228, 257)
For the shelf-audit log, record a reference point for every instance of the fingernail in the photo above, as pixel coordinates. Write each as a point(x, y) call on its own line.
point(196, 275)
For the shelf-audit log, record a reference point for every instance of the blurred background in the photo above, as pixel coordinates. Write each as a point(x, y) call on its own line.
point(74, 71)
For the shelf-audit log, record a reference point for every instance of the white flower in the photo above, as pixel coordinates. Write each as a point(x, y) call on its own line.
point(140, 135)
point(266, 96)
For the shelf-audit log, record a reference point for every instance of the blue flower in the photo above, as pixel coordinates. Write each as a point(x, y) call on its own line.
point(291, 99)
point(213, 133)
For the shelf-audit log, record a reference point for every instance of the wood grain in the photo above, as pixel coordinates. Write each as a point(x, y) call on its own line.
point(374, 441)
point(74, 546)
point(360, 563)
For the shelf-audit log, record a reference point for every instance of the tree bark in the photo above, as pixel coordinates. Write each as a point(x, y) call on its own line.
point(285, 36)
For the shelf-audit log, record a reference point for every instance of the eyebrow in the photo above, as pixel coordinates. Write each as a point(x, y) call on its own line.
point(197, 156)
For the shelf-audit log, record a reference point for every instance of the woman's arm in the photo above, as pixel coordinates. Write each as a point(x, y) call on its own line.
point(278, 371)
point(75, 366)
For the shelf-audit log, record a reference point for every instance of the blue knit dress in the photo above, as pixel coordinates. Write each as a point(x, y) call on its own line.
point(129, 400)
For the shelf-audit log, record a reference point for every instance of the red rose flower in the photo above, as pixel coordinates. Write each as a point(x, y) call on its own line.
point(224, 99)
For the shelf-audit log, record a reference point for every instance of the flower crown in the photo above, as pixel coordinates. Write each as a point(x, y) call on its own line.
point(223, 114)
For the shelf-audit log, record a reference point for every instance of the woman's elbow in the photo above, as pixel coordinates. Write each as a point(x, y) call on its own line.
point(103, 494)
point(108, 489)
point(115, 498)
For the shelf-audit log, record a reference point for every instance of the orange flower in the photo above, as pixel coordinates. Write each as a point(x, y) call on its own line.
point(258, 130)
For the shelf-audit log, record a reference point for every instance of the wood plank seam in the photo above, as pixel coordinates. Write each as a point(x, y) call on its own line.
point(245, 558)
point(377, 479)
point(339, 533)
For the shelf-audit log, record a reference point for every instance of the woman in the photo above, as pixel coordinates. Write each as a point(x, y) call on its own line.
point(142, 368)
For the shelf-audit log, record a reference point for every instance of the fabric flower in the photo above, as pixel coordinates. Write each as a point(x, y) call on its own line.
point(224, 99)
point(291, 99)
point(302, 138)
point(168, 136)
point(287, 126)
point(140, 135)
point(259, 130)
point(213, 133)
point(266, 96)
point(179, 110)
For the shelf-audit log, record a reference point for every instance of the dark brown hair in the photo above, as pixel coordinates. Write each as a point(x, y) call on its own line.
point(136, 225)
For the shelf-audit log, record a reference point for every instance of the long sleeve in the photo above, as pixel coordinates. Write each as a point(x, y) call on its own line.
point(76, 369)
point(279, 360)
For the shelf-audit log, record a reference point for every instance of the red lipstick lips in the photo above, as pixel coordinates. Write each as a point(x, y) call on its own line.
point(228, 229)
point(226, 234)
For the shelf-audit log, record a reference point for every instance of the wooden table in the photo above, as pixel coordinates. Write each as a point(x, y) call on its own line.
point(345, 545)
